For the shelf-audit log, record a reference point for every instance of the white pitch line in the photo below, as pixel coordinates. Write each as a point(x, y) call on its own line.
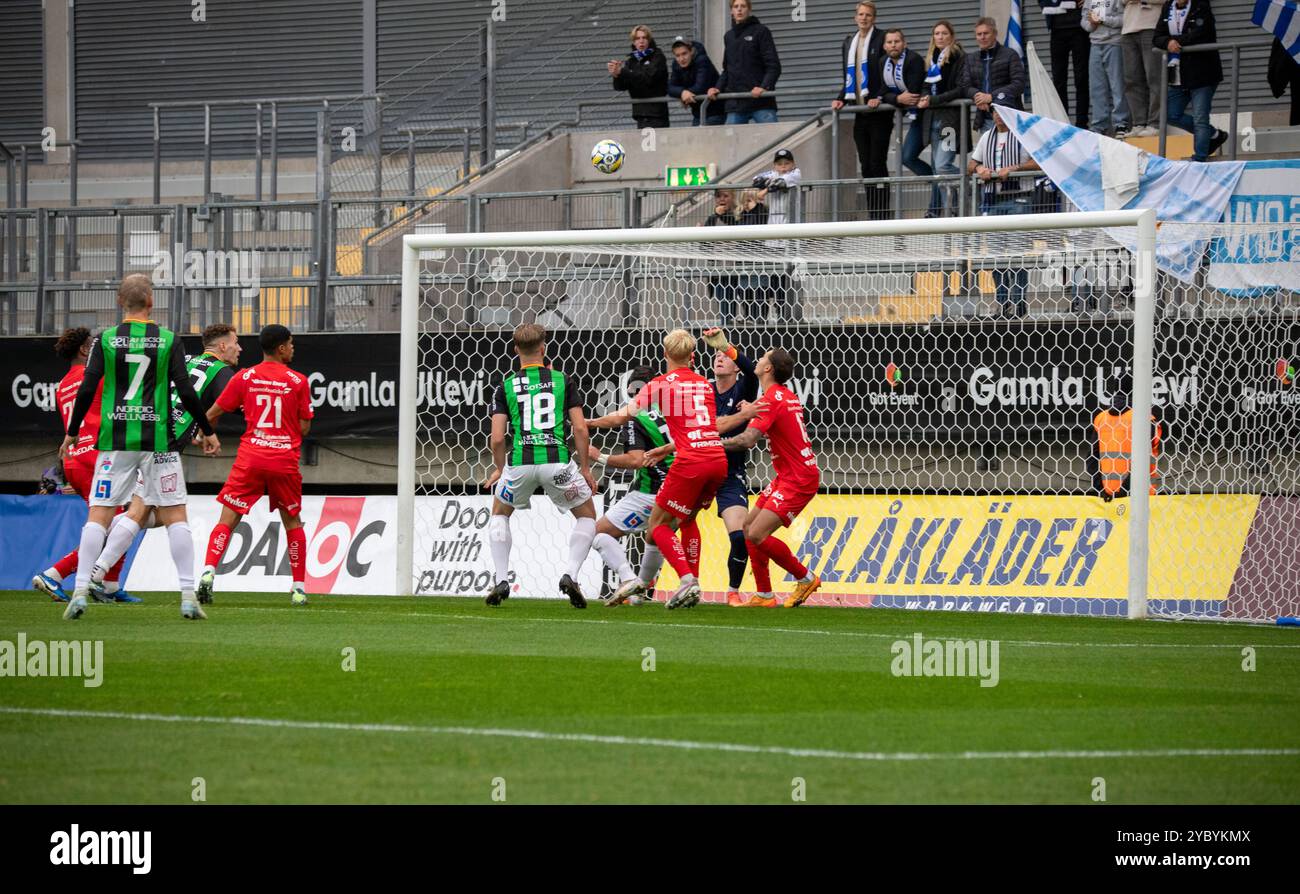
point(502, 617)
point(652, 742)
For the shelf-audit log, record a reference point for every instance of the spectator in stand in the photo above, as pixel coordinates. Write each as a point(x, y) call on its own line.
point(1068, 39)
point(740, 290)
point(749, 65)
point(643, 74)
point(993, 75)
point(1193, 77)
point(940, 124)
point(1141, 66)
point(775, 187)
point(1104, 20)
point(690, 78)
point(860, 56)
point(903, 79)
point(1283, 72)
point(997, 158)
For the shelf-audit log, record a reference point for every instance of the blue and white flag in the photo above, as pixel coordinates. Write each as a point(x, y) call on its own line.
point(1015, 38)
point(1182, 191)
point(1281, 18)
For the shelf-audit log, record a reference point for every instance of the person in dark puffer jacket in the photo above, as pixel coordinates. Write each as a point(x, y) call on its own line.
point(690, 77)
point(750, 64)
point(643, 74)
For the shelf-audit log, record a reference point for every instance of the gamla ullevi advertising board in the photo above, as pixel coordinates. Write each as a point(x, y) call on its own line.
point(352, 548)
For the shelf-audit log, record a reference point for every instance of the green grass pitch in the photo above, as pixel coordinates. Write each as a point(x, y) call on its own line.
point(451, 701)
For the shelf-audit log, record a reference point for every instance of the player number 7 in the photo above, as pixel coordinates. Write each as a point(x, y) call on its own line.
point(141, 363)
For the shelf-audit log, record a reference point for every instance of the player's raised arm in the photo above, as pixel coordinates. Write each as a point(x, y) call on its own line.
point(616, 418)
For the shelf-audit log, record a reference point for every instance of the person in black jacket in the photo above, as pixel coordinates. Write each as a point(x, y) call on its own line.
point(691, 76)
point(750, 65)
point(940, 124)
point(903, 84)
point(994, 75)
point(1068, 39)
point(1284, 71)
point(1193, 77)
point(871, 130)
point(642, 74)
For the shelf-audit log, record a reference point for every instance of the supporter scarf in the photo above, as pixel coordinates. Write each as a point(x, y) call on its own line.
point(642, 54)
point(1177, 18)
point(894, 73)
point(934, 74)
point(851, 88)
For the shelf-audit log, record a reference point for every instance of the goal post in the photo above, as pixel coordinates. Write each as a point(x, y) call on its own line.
point(982, 418)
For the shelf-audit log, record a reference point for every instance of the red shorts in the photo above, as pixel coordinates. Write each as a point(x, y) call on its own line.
point(785, 500)
point(250, 479)
point(690, 487)
point(80, 471)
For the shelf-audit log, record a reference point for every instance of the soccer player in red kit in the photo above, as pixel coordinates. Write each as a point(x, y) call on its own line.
point(796, 482)
point(277, 411)
point(79, 465)
point(685, 400)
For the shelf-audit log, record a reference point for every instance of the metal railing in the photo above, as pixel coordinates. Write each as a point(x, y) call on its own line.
point(1236, 48)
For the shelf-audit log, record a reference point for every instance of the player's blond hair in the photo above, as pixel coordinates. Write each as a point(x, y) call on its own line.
point(134, 292)
point(529, 338)
point(679, 345)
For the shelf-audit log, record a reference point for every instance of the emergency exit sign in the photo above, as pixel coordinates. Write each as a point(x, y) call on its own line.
point(691, 175)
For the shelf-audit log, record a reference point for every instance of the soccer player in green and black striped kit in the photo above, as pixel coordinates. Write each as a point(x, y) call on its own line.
point(137, 361)
point(210, 372)
point(643, 432)
point(539, 406)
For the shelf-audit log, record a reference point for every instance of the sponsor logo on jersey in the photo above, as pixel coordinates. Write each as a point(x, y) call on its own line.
point(167, 484)
point(103, 489)
point(673, 504)
point(235, 502)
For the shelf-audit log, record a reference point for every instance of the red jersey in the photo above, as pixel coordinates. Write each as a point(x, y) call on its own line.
point(273, 398)
point(686, 401)
point(67, 396)
point(792, 453)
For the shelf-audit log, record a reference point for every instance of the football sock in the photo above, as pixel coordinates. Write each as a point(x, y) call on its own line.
point(62, 568)
point(115, 572)
point(671, 547)
point(181, 542)
point(584, 530)
point(92, 541)
point(737, 558)
point(298, 554)
point(120, 535)
point(651, 561)
point(499, 544)
point(762, 573)
point(216, 546)
point(691, 545)
point(611, 553)
point(779, 553)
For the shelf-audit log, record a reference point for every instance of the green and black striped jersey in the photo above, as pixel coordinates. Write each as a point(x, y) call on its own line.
point(537, 400)
point(210, 375)
point(646, 431)
point(138, 361)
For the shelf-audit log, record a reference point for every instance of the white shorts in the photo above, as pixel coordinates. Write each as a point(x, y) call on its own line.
point(631, 512)
point(119, 474)
point(562, 482)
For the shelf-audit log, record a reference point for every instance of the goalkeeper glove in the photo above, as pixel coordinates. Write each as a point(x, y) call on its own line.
point(716, 339)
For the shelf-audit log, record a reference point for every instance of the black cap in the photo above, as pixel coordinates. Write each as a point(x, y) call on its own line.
point(784, 155)
point(680, 41)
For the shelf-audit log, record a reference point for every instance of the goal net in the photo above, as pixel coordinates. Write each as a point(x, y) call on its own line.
point(975, 390)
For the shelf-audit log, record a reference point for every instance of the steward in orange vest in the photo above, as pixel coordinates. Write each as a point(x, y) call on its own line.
point(1113, 430)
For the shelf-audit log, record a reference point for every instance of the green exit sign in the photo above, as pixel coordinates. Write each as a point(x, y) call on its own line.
point(691, 175)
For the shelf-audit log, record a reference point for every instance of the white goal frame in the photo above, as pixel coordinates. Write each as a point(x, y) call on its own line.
point(1143, 221)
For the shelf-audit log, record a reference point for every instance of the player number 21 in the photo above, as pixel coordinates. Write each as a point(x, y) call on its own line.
point(268, 403)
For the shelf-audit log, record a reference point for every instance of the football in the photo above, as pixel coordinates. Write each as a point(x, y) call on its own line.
point(607, 156)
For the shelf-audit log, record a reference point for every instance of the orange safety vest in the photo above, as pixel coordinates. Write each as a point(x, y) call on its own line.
point(1114, 440)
